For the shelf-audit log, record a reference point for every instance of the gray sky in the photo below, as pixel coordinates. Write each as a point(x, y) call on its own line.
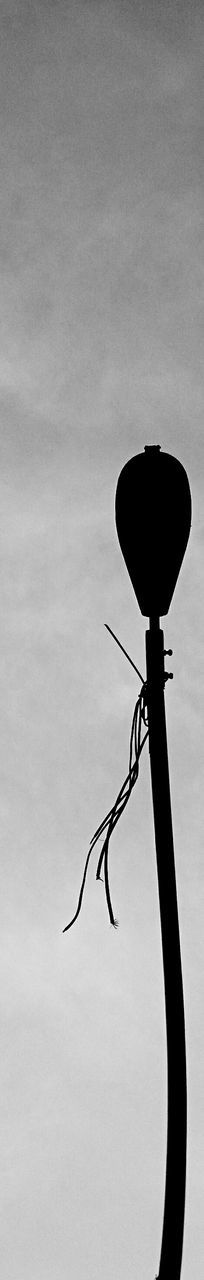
point(101, 352)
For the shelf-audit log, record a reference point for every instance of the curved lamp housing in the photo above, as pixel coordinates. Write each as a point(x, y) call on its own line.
point(153, 520)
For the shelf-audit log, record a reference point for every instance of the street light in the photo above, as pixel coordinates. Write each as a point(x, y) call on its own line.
point(153, 519)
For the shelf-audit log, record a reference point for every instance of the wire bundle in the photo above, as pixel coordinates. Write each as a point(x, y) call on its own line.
point(136, 746)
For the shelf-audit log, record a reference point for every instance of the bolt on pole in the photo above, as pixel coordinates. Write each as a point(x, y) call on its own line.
point(153, 519)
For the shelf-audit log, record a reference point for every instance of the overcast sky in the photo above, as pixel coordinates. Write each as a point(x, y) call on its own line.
point(102, 292)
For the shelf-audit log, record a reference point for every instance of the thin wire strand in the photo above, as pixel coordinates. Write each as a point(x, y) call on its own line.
point(105, 850)
point(112, 633)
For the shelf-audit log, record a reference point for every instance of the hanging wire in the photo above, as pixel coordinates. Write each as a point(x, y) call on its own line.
point(123, 650)
point(112, 817)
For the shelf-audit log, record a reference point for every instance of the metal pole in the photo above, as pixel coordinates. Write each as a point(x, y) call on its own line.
point(174, 1205)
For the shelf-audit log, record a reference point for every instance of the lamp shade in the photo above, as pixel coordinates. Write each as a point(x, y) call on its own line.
point(153, 520)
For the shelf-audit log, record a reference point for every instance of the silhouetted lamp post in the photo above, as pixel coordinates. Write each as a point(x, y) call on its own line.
point(153, 519)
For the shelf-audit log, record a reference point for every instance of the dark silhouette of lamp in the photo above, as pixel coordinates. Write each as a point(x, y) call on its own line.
point(153, 518)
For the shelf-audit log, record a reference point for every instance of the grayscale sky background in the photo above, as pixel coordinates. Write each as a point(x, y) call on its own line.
point(102, 293)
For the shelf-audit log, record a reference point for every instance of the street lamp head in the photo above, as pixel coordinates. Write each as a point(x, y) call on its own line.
point(153, 520)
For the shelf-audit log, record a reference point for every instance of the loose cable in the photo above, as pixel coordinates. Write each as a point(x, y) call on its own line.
point(112, 817)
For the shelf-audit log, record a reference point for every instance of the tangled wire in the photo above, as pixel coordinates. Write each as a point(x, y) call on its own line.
point(136, 747)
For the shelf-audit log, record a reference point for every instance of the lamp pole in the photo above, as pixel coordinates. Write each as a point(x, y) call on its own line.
point(174, 1206)
point(155, 485)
